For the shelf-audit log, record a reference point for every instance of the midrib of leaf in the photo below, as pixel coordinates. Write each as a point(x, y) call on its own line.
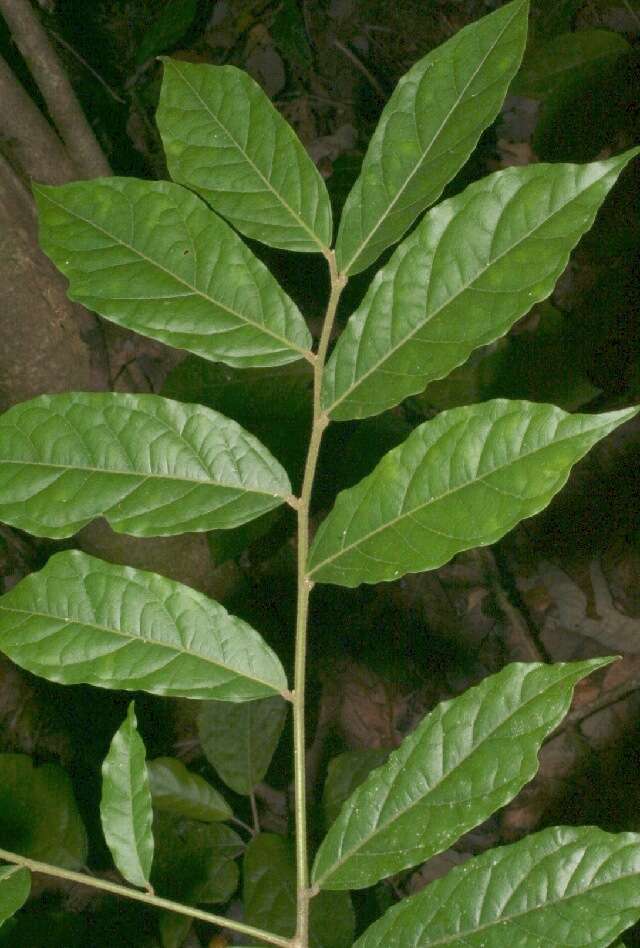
point(136, 834)
point(426, 154)
point(381, 827)
point(182, 650)
point(449, 939)
point(249, 161)
point(463, 289)
point(143, 475)
point(193, 290)
point(448, 493)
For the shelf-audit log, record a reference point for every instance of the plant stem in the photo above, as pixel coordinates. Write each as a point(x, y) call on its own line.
point(139, 896)
point(305, 585)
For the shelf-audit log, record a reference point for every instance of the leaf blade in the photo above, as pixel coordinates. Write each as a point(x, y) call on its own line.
point(240, 740)
point(459, 481)
point(40, 812)
point(150, 256)
point(575, 865)
point(178, 790)
point(270, 896)
point(473, 266)
point(225, 140)
point(81, 620)
point(434, 788)
point(15, 886)
point(125, 805)
point(151, 466)
point(427, 131)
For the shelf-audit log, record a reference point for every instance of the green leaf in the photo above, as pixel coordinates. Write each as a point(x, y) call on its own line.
point(563, 886)
point(467, 758)
point(176, 789)
point(151, 466)
point(193, 864)
point(472, 267)
point(195, 861)
point(150, 256)
point(270, 896)
point(173, 22)
point(81, 620)
point(224, 139)
point(15, 886)
point(125, 807)
point(239, 740)
point(273, 404)
point(427, 130)
point(459, 481)
point(570, 56)
point(39, 816)
point(344, 773)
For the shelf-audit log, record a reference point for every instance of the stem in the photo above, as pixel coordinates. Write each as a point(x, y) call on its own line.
point(254, 813)
point(139, 896)
point(305, 585)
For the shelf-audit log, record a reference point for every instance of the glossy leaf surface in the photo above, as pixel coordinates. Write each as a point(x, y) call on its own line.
point(125, 806)
point(224, 139)
point(475, 264)
point(150, 466)
point(150, 256)
point(467, 758)
point(81, 620)
point(270, 896)
point(459, 481)
point(239, 740)
point(15, 886)
point(39, 814)
point(178, 790)
point(427, 131)
point(569, 887)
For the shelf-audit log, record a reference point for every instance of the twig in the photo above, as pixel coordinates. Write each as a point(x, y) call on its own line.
point(28, 137)
point(62, 104)
point(139, 896)
point(362, 68)
point(632, 11)
point(526, 644)
point(606, 700)
point(96, 75)
point(255, 816)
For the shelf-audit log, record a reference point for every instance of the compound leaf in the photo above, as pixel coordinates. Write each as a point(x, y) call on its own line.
point(472, 267)
point(459, 481)
point(564, 887)
point(15, 886)
point(427, 130)
point(224, 139)
point(151, 466)
point(178, 790)
point(150, 256)
point(270, 896)
point(125, 806)
point(81, 620)
point(40, 817)
point(468, 757)
point(239, 740)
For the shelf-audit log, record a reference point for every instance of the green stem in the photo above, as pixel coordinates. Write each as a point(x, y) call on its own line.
point(147, 898)
point(305, 585)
